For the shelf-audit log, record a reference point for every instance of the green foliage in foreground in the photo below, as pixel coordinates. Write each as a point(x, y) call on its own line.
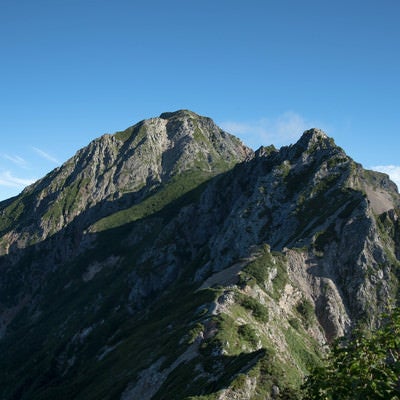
point(366, 367)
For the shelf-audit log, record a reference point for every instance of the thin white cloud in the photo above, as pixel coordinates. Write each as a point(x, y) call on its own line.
point(17, 160)
point(281, 130)
point(392, 170)
point(9, 180)
point(45, 155)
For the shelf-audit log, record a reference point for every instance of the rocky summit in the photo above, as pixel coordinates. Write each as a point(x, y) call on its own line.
point(170, 261)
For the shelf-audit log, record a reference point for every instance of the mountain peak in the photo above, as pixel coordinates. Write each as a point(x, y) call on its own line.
point(128, 165)
point(313, 139)
point(179, 113)
point(313, 135)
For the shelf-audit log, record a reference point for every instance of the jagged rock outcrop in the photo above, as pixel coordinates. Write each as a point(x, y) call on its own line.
point(170, 258)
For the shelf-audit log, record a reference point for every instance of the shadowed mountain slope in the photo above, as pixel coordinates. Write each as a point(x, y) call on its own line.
point(169, 261)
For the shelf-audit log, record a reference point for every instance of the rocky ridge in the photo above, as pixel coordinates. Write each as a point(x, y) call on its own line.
point(170, 258)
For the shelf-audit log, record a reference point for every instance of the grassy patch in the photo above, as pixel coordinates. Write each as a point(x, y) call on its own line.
point(306, 310)
point(258, 311)
point(301, 349)
point(248, 333)
point(184, 184)
point(16, 211)
point(260, 270)
point(139, 131)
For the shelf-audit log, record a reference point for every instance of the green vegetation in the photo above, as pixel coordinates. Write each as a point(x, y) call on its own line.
point(267, 150)
point(270, 372)
point(127, 133)
point(66, 204)
point(15, 211)
point(195, 332)
point(322, 143)
point(284, 169)
point(248, 333)
point(226, 337)
point(260, 270)
point(304, 351)
point(10, 215)
point(325, 184)
point(337, 161)
point(259, 311)
point(365, 367)
point(324, 238)
point(188, 184)
point(306, 310)
point(198, 135)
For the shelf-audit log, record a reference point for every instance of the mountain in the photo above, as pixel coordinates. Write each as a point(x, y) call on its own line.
point(170, 261)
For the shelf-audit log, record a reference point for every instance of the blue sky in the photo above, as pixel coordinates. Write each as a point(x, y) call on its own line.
point(71, 70)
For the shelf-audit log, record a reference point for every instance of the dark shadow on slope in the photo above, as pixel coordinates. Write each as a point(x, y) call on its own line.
point(49, 275)
point(205, 377)
point(70, 241)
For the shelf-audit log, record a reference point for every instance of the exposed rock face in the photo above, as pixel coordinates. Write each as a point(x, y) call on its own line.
point(116, 170)
point(170, 258)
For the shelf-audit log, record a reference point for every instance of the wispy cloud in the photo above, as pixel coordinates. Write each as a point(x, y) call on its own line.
point(17, 160)
point(9, 180)
point(45, 155)
point(392, 170)
point(281, 130)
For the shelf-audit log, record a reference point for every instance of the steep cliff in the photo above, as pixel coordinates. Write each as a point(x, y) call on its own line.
point(169, 261)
